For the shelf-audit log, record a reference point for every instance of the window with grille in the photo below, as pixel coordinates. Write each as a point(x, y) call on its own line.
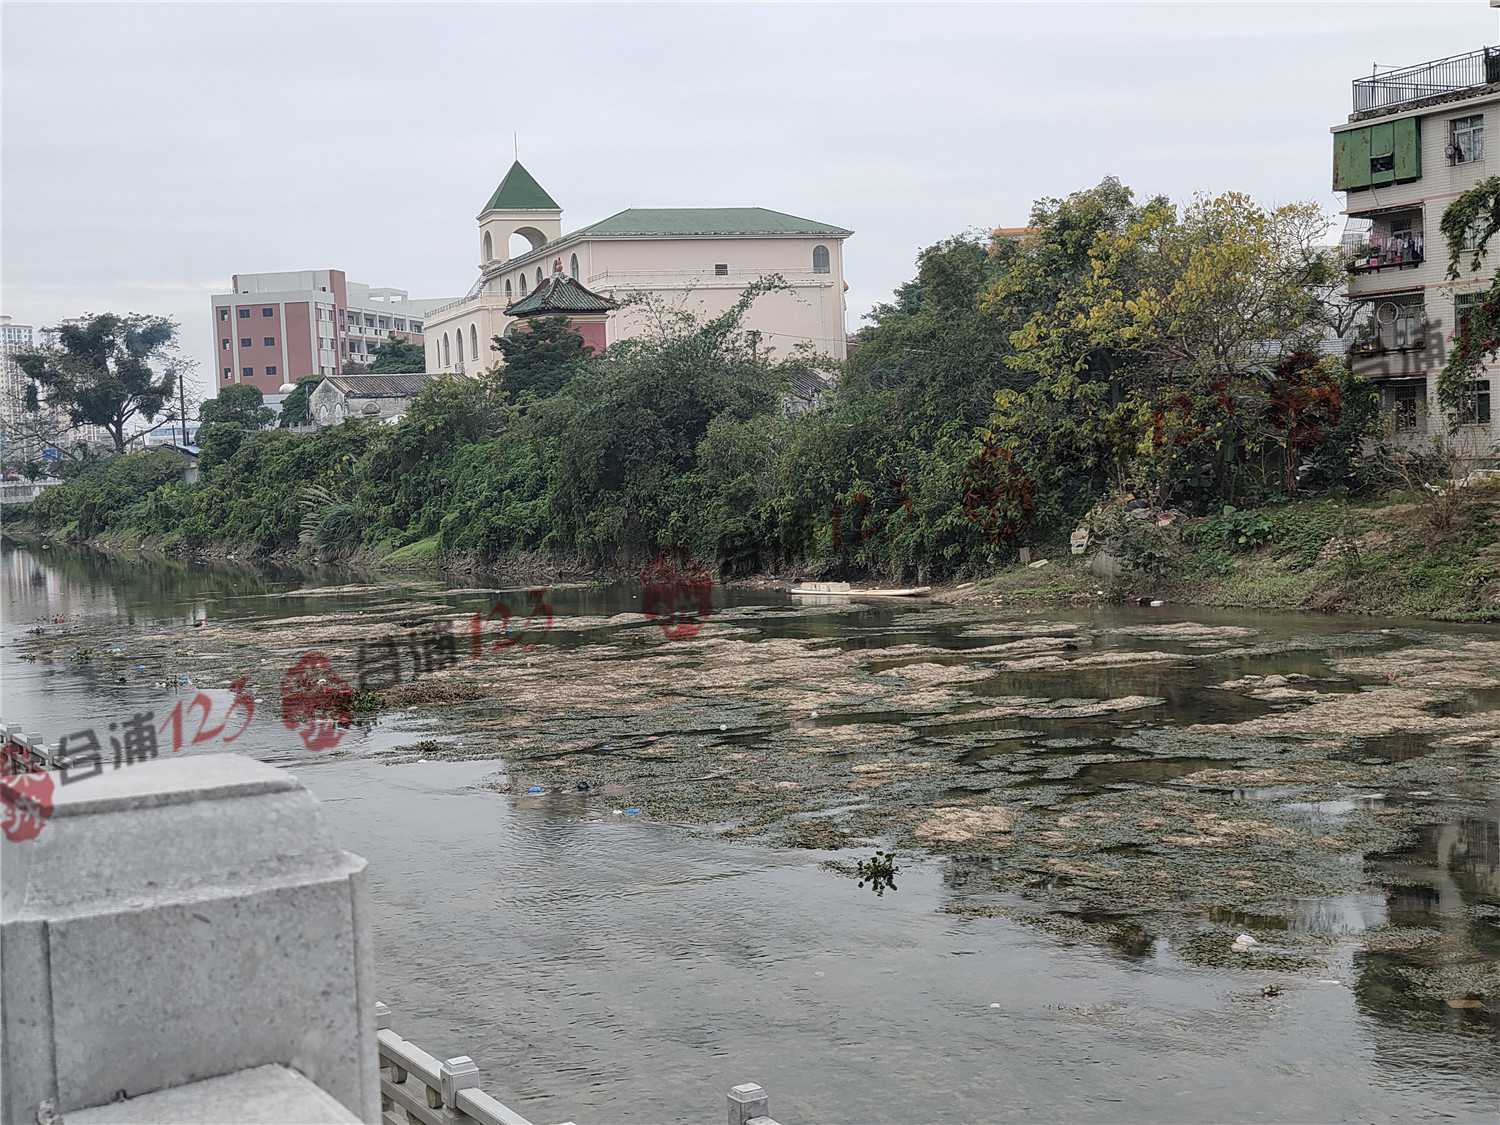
point(1396, 325)
point(1466, 139)
point(1474, 404)
point(1464, 305)
point(1404, 407)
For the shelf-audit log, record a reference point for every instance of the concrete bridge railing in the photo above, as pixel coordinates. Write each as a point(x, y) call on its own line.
point(417, 1088)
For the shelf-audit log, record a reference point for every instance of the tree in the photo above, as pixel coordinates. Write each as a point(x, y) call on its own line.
point(540, 356)
point(354, 367)
point(241, 404)
point(398, 357)
point(1156, 365)
point(101, 371)
point(1469, 222)
point(296, 408)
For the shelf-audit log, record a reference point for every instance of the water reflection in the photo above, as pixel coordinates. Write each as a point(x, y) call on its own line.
point(1448, 881)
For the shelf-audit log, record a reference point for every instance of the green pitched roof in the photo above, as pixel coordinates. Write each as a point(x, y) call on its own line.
point(519, 191)
point(560, 294)
point(706, 222)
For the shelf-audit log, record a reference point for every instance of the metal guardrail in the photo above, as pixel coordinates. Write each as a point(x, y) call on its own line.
point(418, 1087)
point(1426, 80)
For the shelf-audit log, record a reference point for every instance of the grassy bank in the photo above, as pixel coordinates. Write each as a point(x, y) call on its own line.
point(1402, 556)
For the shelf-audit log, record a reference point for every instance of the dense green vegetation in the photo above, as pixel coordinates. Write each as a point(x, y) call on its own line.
point(1399, 554)
point(998, 397)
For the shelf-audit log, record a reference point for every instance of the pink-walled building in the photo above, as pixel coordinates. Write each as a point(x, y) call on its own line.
point(276, 328)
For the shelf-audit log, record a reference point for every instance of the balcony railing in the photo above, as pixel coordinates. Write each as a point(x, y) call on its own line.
point(1384, 252)
point(1426, 80)
point(1392, 326)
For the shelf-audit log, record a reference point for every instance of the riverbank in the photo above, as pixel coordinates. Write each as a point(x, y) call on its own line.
point(1395, 557)
point(1391, 557)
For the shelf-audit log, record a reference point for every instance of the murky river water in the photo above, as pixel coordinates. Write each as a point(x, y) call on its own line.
point(613, 968)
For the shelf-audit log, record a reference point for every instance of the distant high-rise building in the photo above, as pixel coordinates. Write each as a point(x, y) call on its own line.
point(14, 339)
point(276, 328)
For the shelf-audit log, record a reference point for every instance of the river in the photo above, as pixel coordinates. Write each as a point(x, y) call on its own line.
point(604, 966)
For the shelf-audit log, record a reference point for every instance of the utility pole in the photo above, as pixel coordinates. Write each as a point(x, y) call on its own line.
point(182, 408)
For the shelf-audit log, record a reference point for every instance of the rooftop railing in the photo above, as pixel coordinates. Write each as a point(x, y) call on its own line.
point(1426, 80)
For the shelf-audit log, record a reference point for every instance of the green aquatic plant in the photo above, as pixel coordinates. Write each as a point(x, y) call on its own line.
point(879, 871)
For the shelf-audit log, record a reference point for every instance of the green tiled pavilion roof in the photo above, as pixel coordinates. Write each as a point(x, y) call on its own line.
point(561, 294)
point(706, 222)
point(519, 191)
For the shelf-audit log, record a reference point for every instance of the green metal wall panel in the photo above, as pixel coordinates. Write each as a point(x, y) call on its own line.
point(1351, 159)
point(1408, 153)
point(1382, 154)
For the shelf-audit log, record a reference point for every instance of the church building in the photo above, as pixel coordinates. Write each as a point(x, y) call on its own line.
point(693, 259)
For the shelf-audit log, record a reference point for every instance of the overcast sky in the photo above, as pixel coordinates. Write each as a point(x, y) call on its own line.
point(149, 152)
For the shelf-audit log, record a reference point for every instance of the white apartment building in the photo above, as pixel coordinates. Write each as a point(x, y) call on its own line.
point(273, 329)
point(1419, 137)
point(14, 338)
point(691, 259)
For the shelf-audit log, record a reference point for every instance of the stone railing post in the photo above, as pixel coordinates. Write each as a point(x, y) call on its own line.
point(184, 936)
point(746, 1102)
point(458, 1074)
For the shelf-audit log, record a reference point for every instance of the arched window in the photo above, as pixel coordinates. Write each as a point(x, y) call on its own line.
point(447, 352)
point(507, 290)
point(523, 284)
point(489, 249)
point(573, 266)
point(820, 259)
point(539, 275)
point(473, 342)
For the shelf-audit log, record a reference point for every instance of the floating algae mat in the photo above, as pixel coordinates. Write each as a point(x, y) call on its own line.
point(1127, 777)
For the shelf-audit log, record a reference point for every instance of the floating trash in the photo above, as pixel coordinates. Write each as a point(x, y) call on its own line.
point(632, 811)
point(535, 789)
point(1243, 943)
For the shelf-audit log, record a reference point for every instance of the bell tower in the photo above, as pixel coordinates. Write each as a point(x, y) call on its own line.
point(519, 206)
